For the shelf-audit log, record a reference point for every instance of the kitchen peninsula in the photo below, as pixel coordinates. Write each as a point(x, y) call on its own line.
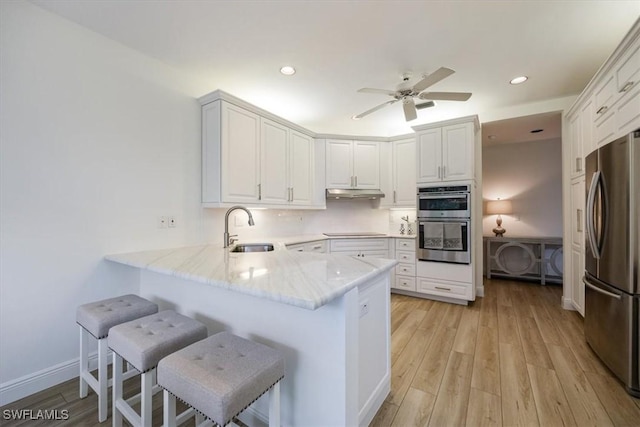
point(328, 315)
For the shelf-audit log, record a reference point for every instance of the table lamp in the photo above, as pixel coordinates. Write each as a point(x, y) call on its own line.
point(499, 207)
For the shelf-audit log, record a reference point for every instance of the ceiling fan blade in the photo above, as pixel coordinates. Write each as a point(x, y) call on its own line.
point(445, 96)
point(409, 107)
point(425, 105)
point(361, 115)
point(432, 79)
point(381, 91)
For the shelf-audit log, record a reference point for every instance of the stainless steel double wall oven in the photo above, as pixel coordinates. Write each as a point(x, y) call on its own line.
point(444, 223)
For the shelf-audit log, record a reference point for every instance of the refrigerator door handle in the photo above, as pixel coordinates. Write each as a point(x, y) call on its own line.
point(597, 289)
point(591, 198)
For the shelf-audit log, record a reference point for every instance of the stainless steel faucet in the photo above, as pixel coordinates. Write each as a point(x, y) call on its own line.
point(228, 239)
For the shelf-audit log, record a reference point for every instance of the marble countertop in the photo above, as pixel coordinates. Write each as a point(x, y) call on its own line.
point(307, 280)
point(306, 238)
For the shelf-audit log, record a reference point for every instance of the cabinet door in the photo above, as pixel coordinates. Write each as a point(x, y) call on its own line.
point(273, 154)
point(339, 166)
point(457, 152)
point(387, 170)
point(240, 154)
point(366, 164)
point(404, 167)
point(577, 163)
point(429, 150)
point(586, 129)
point(301, 168)
point(577, 287)
point(577, 212)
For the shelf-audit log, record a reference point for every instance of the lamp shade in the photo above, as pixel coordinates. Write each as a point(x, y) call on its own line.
point(499, 207)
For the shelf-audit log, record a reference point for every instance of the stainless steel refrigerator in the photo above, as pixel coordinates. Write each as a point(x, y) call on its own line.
point(612, 292)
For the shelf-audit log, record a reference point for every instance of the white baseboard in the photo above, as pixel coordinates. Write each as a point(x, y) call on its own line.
point(27, 385)
point(480, 291)
point(567, 304)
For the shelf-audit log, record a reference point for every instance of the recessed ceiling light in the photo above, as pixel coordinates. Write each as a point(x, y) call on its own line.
point(536, 130)
point(518, 80)
point(288, 70)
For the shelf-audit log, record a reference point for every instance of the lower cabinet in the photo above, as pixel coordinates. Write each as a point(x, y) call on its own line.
point(577, 287)
point(405, 253)
point(319, 246)
point(376, 248)
point(445, 281)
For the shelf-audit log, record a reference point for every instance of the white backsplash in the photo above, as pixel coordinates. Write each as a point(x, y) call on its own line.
point(340, 215)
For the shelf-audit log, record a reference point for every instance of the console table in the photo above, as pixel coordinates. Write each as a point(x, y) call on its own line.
point(528, 258)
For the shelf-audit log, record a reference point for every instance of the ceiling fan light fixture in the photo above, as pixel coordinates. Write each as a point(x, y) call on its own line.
point(288, 70)
point(518, 80)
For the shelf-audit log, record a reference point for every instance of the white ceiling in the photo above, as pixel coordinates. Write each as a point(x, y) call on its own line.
point(341, 46)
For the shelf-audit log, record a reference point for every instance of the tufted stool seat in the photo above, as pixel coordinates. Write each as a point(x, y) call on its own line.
point(142, 343)
point(220, 377)
point(95, 319)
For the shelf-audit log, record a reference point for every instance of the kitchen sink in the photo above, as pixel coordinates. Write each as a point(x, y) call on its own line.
point(252, 247)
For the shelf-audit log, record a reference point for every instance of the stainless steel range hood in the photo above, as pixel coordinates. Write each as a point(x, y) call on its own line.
point(353, 193)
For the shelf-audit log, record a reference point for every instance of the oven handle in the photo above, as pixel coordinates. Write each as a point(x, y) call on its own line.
point(445, 220)
point(443, 196)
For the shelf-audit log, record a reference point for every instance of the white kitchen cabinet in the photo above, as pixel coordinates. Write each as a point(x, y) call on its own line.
point(405, 254)
point(607, 109)
point(352, 164)
point(254, 160)
point(445, 281)
point(240, 149)
point(446, 150)
point(319, 246)
point(398, 174)
point(375, 248)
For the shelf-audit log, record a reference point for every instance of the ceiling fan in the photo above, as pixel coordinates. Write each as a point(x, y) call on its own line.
point(406, 93)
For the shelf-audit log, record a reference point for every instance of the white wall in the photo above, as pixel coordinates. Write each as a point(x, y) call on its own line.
point(530, 175)
point(97, 141)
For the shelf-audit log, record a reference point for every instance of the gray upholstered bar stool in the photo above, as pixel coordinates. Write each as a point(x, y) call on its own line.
point(142, 343)
point(220, 377)
point(95, 319)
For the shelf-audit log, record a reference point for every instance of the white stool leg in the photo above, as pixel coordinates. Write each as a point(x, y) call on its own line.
point(146, 395)
point(117, 390)
point(84, 361)
point(169, 410)
point(274, 405)
point(103, 381)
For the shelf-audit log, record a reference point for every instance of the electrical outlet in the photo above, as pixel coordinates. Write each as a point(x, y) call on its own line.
point(172, 222)
point(162, 222)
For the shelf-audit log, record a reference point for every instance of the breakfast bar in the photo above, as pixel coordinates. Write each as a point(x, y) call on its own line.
point(327, 314)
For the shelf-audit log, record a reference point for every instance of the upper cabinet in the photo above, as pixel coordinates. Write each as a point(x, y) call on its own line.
point(352, 164)
point(251, 159)
point(446, 151)
point(398, 173)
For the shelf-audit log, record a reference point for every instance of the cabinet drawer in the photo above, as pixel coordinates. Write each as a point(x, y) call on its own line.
point(605, 127)
point(628, 112)
point(406, 257)
point(405, 245)
point(317, 246)
point(605, 95)
point(359, 244)
point(405, 283)
point(406, 269)
point(444, 289)
point(628, 73)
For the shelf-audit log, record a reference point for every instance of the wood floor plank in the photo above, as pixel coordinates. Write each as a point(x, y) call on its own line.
point(546, 325)
point(518, 405)
point(415, 409)
point(574, 338)
point(486, 363)
point(502, 293)
point(485, 409)
point(385, 415)
point(584, 403)
point(405, 331)
point(431, 369)
point(551, 403)
point(453, 397)
point(404, 369)
point(520, 299)
point(623, 409)
point(489, 311)
point(508, 326)
point(465, 341)
point(535, 351)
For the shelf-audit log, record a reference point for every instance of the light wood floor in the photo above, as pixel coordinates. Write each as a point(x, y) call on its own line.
point(511, 358)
